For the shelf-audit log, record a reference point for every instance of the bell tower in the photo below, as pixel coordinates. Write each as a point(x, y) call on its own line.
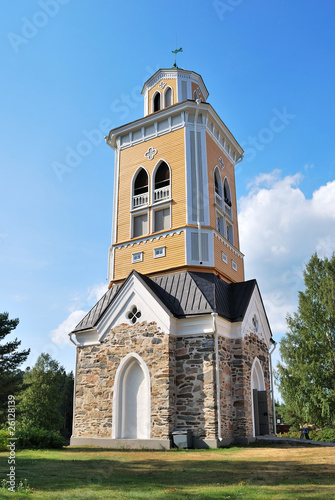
point(180, 343)
point(174, 186)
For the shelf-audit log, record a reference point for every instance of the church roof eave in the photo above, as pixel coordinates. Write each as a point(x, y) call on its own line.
point(181, 106)
point(182, 295)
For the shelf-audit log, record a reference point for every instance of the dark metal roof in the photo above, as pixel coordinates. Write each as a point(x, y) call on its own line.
point(93, 316)
point(184, 294)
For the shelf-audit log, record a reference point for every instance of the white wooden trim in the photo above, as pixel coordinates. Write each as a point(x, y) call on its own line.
point(124, 365)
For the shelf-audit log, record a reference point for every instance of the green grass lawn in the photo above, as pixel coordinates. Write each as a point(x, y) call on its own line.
point(250, 473)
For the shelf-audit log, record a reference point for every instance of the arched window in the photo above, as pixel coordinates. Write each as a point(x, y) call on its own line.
point(141, 188)
point(217, 187)
point(131, 400)
point(168, 97)
point(227, 198)
point(162, 184)
point(157, 101)
point(195, 95)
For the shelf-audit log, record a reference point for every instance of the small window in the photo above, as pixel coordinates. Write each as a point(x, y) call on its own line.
point(134, 314)
point(159, 252)
point(140, 225)
point(157, 101)
point(195, 95)
point(168, 97)
point(234, 265)
point(255, 322)
point(162, 219)
point(137, 257)
point(225, 257)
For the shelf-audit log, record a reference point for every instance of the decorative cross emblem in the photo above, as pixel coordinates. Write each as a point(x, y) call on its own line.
point(221, 163)
point(150, 153)
point(162, 85)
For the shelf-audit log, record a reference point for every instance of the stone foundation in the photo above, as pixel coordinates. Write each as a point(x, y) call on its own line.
point(183, 385)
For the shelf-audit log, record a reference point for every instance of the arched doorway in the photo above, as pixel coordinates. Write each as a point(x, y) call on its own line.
point(259, 400)
point(131, 401)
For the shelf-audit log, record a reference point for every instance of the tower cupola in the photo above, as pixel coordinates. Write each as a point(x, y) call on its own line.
point(171, 86)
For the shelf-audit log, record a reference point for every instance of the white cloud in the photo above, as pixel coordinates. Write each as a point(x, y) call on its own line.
point(87, 298)
point(61, 334)
point(279, 231)
point(95, 292)
point(80, 301)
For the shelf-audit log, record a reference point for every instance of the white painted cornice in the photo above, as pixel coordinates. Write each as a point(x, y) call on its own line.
point(174, 73)
point(185, 106)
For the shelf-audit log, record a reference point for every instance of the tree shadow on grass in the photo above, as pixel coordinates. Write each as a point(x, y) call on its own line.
point(156, 477)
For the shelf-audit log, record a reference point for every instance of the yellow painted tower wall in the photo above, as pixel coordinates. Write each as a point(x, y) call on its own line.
point(170, 82)
point(130, 160)
point(213, 154)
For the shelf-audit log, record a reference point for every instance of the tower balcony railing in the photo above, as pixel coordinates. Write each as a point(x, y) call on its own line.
point(227, 209)
point(140, 199)
point(162, 193)
point(218, 199)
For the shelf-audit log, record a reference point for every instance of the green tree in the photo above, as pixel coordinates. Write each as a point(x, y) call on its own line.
point(306, 376)
point(40, 402)
point(10, 360)
point(66, 404)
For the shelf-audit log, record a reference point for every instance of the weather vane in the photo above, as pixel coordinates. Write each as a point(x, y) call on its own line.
point(175, 52)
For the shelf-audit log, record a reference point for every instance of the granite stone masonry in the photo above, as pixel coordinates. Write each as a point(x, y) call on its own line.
point(96, 369)
point(183, 382)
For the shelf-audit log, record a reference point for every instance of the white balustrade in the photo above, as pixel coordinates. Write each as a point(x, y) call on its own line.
point(162, 193)
point(227, 210)
point(218, 199)
point(140, 199)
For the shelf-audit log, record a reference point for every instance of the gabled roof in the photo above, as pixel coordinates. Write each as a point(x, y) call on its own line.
point(183, 294)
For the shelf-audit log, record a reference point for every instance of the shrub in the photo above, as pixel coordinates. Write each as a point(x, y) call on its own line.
point(325, 435)
point(38, 438)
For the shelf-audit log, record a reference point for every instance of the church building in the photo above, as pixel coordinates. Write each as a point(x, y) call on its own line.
point(180, 344)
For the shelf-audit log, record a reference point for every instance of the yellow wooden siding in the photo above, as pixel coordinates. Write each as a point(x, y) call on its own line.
point(170, 82)
point(213, 154)
point(174, 256)
point(170, 148)
point(226, 269)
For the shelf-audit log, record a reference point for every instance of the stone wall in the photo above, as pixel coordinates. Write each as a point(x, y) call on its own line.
point(183, 382)
point(96, 368)
point(236, 359)
point(195, 386)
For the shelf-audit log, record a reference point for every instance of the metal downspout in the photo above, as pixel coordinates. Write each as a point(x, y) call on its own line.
point(197, 179)
point(272, 391)
point(217, 374)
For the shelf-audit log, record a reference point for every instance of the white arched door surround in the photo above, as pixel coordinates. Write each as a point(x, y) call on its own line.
point(257, 376)
point(259, 400)
point(131, 399)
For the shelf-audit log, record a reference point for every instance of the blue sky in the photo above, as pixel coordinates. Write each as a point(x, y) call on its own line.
point(74, 69)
